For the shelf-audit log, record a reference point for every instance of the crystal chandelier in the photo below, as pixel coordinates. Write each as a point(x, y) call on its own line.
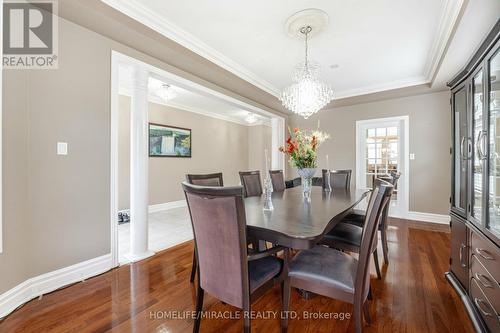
point(307, 95)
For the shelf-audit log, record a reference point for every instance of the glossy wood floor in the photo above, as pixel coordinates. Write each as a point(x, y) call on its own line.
point(413, 296)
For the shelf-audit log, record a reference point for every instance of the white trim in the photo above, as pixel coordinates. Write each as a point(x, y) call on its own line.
point(115, 83)
point(428, 217)
point(405, 83)
point(405, 120)
point(450, 17)
point(1, 134)
point(48, 282)
point(204, 112)
point(163, 206)
point(149, 18)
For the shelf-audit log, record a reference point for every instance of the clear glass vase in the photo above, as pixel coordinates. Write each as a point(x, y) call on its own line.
point(306, 175)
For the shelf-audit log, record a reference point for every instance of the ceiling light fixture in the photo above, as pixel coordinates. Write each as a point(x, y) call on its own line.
point(307, 94)
point(167, 93)
point(251, 118)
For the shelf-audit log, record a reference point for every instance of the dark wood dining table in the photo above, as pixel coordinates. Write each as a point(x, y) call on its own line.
point(296, 222)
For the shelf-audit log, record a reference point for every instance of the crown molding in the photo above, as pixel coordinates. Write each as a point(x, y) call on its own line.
point(415, 81)
point(450, 17)
point(157, 100)
point(211, 114)
point(140, 13)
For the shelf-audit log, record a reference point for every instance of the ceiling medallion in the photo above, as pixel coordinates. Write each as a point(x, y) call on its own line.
point(307, 94)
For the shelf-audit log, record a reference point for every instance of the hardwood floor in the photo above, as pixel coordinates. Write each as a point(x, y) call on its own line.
point(413, 296)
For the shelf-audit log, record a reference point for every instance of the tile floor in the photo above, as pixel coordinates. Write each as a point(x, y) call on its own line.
point(167, 228)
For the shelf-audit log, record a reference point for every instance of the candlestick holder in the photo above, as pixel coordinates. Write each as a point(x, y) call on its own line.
point(268, 192)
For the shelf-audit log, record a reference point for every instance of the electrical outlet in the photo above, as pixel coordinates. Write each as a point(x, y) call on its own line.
point(412, 156)
point(62, 148)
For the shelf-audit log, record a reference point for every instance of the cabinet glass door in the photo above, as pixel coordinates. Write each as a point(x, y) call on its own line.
point(461, 144)
point(478, 146)
point(493, 222)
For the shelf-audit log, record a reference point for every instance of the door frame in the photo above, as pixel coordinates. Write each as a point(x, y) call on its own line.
point(119, 59)
point(404, 157)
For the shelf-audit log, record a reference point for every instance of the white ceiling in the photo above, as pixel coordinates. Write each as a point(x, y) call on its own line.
point(189, 101)
point(378, 45)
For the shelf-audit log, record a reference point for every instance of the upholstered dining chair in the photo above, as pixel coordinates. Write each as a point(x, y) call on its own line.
point(226, 270)
point(211, 179)
point(332, 273)
point(250, 180)
point(339, 179)
point(347, 237)
point(358, 218)
point(278, 180)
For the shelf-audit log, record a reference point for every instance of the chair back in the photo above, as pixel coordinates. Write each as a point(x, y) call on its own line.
point(278, 180)
point(339, 179)
point(378, 201)
point(393, 180)
point(219, 228)
point(250, 180)
point(211, 179)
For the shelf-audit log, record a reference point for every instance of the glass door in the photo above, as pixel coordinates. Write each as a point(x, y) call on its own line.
point(478, 146)
point(493, 221)
point(461, 150)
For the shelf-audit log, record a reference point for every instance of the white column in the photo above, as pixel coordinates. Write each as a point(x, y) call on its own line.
point(277, 140)
point(139, 156)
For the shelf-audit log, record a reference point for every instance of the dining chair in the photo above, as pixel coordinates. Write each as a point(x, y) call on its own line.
point(336, 274)
point(226, 270)
point(278, 180)
point(358, 218)
point(211, 179)
point(293, 182)
point(339, 179)
point(250, 180)
point(347, 237)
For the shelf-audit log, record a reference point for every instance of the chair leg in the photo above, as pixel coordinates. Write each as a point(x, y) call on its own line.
point(385, 246)
point(285, 291)
point(358, 317)
point(246, 319)
point(366, 311)
point(199, 309)
point(193, 267)
point(377, 267)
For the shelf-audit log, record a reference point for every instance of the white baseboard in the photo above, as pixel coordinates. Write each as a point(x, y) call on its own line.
point(429, 217)
point(46, 283)
point(162, 206)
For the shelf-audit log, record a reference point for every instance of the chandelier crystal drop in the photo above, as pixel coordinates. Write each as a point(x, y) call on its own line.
point(307, 94)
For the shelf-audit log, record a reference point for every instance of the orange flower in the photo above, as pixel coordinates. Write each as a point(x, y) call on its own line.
point(296, 129)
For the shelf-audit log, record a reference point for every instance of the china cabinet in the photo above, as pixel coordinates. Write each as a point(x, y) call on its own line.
point(475, 193)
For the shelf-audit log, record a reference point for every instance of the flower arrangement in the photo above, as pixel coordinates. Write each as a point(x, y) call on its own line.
point(302, 146)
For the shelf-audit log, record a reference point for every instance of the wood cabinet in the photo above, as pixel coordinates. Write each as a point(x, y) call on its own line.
point(475, 193)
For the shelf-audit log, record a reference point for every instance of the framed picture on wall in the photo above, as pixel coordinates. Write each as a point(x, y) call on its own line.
point(169, 141)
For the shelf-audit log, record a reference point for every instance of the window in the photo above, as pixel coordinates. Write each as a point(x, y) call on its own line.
point(382, 153)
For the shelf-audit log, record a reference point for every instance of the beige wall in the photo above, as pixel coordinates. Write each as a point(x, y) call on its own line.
point(57, 208)
point(429, 140)
point(259, 139)
point(217, 146)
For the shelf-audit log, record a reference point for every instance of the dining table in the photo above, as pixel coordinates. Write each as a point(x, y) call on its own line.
point(296, 222)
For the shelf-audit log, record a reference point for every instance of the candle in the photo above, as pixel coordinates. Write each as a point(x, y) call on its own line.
point(266, 158)
point(327, 163)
